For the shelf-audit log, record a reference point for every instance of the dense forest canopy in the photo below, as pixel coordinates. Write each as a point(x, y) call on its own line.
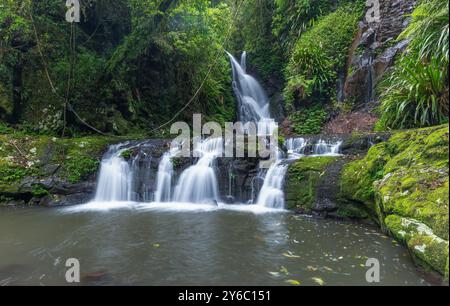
point(130, 65)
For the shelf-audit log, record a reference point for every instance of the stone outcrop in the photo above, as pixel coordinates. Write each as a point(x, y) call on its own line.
point(48, 171)
point(375, 49)
point(403, 184)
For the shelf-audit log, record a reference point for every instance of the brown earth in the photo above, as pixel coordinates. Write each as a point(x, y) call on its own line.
point(358, 121)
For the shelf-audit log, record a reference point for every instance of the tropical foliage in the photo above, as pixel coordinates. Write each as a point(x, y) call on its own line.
point(415, 94)
point(319, 55)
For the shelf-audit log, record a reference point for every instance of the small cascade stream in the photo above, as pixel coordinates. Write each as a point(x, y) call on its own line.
point(114, 177)
point(163, 192)
point(198, 183)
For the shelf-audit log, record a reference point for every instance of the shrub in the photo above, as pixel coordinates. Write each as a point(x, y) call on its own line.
point(308, 121)
point(319, 54)
point(415, 93)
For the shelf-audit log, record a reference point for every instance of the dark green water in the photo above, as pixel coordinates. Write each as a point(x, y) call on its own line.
point(144, 246)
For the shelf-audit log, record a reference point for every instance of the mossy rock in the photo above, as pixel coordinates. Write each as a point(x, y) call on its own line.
point(302, 180)
point(29, 158)
point(352, 211)
point(421, 241)
point(407, 177)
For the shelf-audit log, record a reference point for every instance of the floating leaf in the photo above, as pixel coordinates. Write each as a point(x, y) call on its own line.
point(284, 270)
point(156, 245)
point(276, 274)
point(311, 268)
point(289, 254)
point(318, 280)
point(293, 282)
point(328, 269)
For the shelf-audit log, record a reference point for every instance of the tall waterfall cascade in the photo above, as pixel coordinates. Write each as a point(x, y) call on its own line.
point(253, 103)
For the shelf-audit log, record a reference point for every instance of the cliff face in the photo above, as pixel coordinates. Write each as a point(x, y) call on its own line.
point(374, 50)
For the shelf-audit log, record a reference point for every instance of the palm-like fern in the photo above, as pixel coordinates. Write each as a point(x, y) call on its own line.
point(416, 91)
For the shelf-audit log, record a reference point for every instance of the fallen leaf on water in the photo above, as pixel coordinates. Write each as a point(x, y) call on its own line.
point(289, 254)
point(284, 270)
point(274, 273)
point(311, 268)
point(156, 245)
point(318, 280)
point(292, 282)
point(328, 268)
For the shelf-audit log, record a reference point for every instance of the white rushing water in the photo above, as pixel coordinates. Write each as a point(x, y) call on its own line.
point(114, 178)
point(130, 181)
point(163, 191)
point(198, 183)
point(272, 194)
point(296, 147)
point(253, 103)
point(324, 148)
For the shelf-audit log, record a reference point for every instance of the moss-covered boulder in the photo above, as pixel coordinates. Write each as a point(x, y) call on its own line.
point(404, 182)
point(303, 181)
point(33, 166)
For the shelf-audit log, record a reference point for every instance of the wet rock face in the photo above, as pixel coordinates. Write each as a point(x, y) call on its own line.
point(309, 188)
point(62, 172)
point(375, 49)
point(238, 179)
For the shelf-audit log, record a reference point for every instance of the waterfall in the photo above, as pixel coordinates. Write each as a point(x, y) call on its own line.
point(296, 146)
point(324, 148)
point(253, 103)
point(114, 178)
point(198, 183)
point(163, 191)
point(272, 194)
point(131, 181)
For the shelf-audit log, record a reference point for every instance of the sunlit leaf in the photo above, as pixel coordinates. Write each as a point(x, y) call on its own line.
point(292, 282)
point(318, 280)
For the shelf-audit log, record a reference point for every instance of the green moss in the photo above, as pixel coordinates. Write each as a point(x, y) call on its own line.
point(407, 178)
point(126, 154)
point(39, 191)
point(352, 211)
point(431, 250)
point(23, 155)
point(81, 156)
point(9, 174)
point(303, 177)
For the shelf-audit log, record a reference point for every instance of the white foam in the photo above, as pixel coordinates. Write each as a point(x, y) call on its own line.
point(168, 206)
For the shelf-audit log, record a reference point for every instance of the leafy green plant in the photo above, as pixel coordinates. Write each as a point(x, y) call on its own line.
point(39, 191)
point(319, 54)
point(79, 167)
point(12, 173)
point(416, 92)
point(309, 120)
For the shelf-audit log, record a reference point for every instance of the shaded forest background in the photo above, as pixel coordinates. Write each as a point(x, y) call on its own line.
point(131, 65)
